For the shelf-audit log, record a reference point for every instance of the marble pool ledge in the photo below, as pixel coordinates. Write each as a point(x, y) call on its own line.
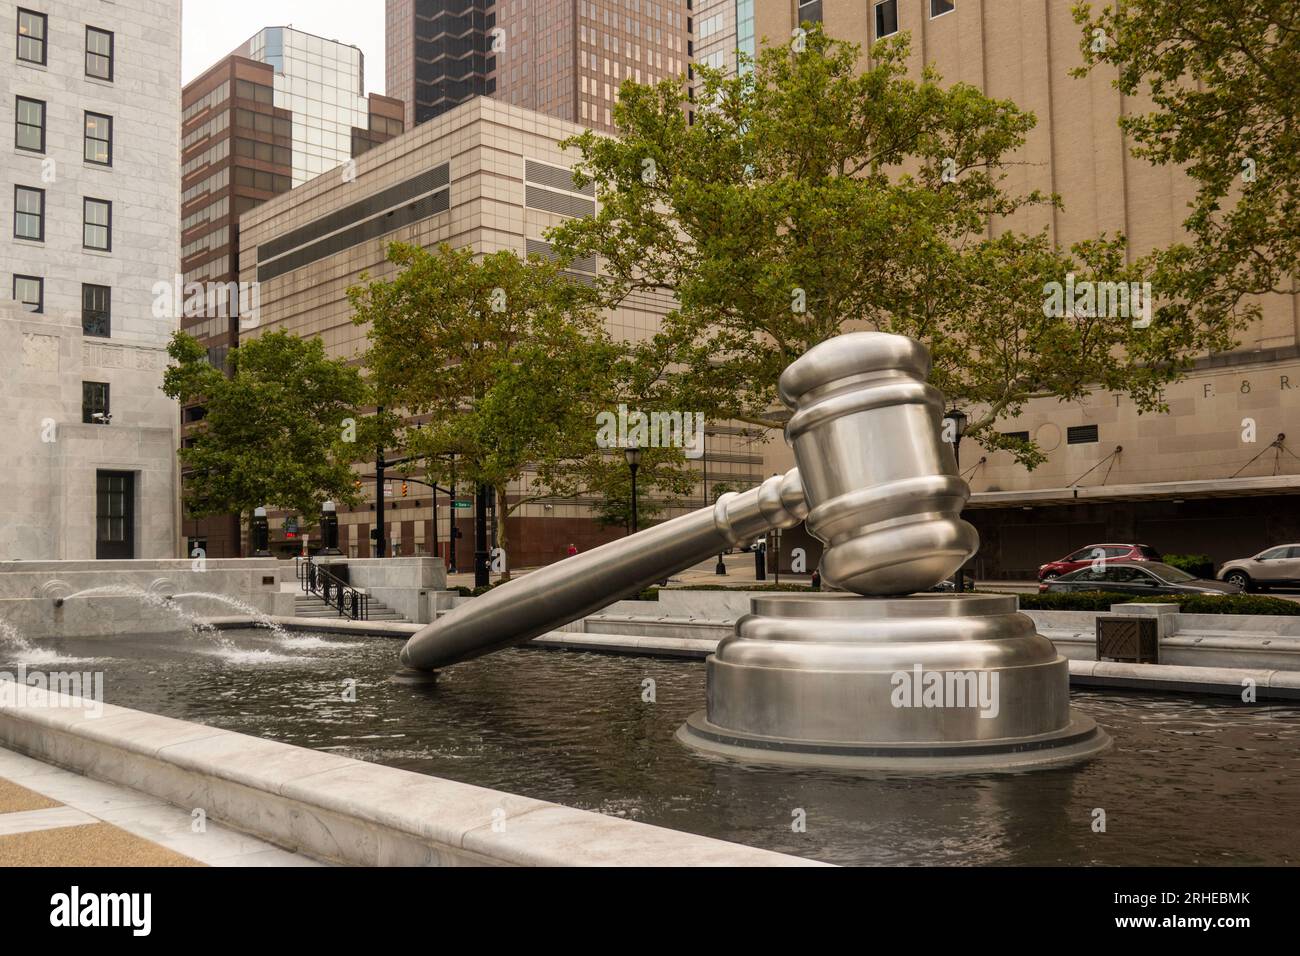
point(341, 810)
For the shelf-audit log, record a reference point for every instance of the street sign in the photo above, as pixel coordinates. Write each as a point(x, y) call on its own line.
point(462, 504)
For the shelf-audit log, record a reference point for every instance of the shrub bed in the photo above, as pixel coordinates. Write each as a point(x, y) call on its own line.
point(1198, 565)
point(1187, 603)
point(475, 592)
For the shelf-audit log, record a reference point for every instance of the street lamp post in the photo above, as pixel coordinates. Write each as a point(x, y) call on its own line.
point(958, 419)
point(482, 559)
point(633, 456)
point(454, 531)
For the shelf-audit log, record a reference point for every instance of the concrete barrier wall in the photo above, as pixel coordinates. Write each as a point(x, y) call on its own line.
point(338, 809)
point(406, 585)
point(28, 590)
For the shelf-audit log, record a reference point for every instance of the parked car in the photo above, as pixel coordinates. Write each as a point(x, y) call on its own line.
point(1137, 578)
point(1092, 553)
point(1273, 566)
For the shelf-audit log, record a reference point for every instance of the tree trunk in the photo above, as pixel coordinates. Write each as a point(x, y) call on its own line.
point(502, 517)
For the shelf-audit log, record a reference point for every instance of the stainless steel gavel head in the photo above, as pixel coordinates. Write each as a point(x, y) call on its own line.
point(880, 483)
point(875, 482)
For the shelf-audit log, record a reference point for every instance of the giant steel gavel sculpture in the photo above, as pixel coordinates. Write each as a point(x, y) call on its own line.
point(875, 482)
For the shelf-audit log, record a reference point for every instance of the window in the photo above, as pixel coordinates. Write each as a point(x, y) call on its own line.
point(886, 18)
point(939, 7)
point(29, 213)
point(1081, 435)
point(94, 403)
point(96, 311)
point(810, 11)
point(31, 36)
point(99, 139)
point(29, 292)
point(29, 132)
point(99, 54)
point(1276, 554)
point(1018, 436)
point(97, 224)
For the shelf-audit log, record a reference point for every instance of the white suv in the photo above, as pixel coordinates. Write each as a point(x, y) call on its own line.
point(1275, 566)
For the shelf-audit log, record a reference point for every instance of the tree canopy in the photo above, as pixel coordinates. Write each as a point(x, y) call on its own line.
point(1223, 77)
point(501, 361)
point(815, 195)
point(279, 430)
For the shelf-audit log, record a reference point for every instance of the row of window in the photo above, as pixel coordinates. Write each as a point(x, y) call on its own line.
point(887, 14)
point(219, 95)
point(279, 126)
point(96, 219)
point(29, 131)
point(386, 125)
point(211, 127)
point(33, 44)
point(1074, 435)
point(96, 303)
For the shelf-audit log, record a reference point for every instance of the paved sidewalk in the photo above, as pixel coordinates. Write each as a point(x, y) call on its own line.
point(52, 817)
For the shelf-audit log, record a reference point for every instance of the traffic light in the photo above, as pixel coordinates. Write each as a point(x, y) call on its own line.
point(404, 489)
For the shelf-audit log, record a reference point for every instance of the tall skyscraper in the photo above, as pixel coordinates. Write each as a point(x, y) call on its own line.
point(715, 38)
point(92, 107)
point(322, 83)
point(565, 58)
point(285, 107)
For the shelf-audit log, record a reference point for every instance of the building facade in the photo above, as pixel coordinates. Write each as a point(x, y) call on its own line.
point(1215, 474)
point(564, 58)
point(90, 203)
point(485, 175)
point(283, 108)
point(322, 84)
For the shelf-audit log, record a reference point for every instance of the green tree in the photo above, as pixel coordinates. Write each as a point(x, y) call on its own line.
point(1223, 77)
point(812, 197)
point(501, 361)
point(280, 430)
point(662, 480)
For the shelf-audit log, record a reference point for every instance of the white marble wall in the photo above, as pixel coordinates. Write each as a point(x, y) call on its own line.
point(47, 510)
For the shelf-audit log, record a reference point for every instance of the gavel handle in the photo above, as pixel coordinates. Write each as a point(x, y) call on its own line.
point(572, 588)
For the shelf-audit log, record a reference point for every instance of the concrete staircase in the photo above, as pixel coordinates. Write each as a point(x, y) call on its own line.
point(309, 605)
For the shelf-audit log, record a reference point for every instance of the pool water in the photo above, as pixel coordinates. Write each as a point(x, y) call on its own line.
point(1190, 780)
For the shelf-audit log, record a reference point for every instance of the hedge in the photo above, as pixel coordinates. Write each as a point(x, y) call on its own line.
point(1198, 565)
point(475, 592)
point(1187, 603)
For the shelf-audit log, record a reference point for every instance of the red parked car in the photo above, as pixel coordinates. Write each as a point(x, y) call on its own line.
point(1093, 552)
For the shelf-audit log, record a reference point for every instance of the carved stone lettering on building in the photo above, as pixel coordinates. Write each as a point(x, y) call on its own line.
point(120, 356)
point(41, 351)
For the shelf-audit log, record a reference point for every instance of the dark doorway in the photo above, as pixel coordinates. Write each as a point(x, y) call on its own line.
point(114, 515)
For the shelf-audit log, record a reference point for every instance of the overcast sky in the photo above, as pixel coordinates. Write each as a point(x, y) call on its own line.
point(213, 28)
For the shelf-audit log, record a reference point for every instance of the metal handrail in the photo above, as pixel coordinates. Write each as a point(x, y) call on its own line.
point(350, 602)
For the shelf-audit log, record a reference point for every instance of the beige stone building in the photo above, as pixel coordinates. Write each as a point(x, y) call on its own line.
point(1203, 478)
point(485, 175)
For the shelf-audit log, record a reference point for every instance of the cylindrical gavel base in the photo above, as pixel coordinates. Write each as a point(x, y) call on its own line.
point(918, 684)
